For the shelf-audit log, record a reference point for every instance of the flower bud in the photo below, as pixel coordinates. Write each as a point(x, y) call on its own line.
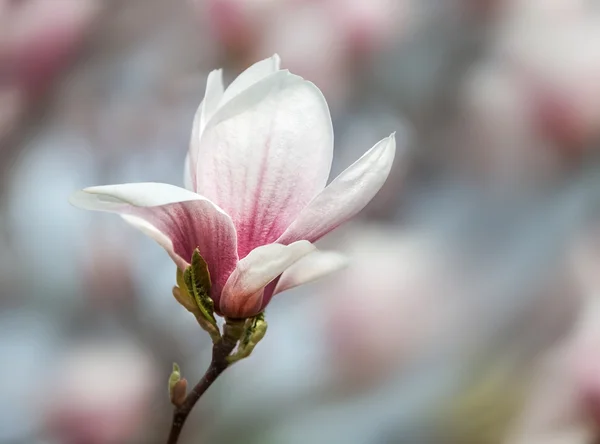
point(177, 387)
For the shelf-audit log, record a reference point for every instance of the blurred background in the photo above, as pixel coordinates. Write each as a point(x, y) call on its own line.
point(468, 314)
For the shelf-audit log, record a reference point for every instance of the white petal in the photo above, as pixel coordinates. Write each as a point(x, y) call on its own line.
point(310, 268)
point(250, 76)
point(177, 219)
point(343, 198)
point(115, 197)
point(208, 107)
point(242, 294)
point(213, 96)
point(265, 155)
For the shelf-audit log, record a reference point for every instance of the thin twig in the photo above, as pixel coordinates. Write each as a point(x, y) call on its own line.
point(218, 364)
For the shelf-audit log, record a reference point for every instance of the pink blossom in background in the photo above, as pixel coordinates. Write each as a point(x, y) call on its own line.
point(555, 58)
point(318, 39)
point(502, 143)
point(585, 361)
point(554, 414)
point(368, 27)
point(544, 9)
point(101, 394)
point(564, 404)
point(364, 26)
point(533, 104)
point(483, 9)
point(320, 55)
point(41, 36)
point(256, 200)
point(37, 40)
point(385, 309)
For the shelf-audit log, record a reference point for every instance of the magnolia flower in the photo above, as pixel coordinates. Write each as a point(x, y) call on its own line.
point(255, 197)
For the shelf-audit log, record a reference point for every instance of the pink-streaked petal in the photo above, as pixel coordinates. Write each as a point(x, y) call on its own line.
point(265, 155)
point(209, 105)
point(242, 294)
point(311, 268)
point(177, 219)
point(250, 76)
point(343, 198)
point(215, 97)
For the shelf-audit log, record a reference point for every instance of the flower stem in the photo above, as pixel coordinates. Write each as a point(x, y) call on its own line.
point(218, 364)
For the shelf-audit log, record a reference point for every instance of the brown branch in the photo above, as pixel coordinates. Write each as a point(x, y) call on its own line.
point(218, 364)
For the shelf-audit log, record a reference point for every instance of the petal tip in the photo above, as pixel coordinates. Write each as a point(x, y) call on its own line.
point(95, 199)
point(303, 246)
point(215, 74)
point(83, 199)
point(76, 198)
point(392, 139)
point(311, 268)
point(276, 61)
point(338, 261)
point(384, 151)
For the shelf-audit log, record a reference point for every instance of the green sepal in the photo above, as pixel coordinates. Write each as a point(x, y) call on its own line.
point(185, 299)
point(255, 330)
point(183, 296)
point(197, 281)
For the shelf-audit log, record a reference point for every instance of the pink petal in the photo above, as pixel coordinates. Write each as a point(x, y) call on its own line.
point(179, 220)
point(265, 155)
point(343, 198)
point(243, 293)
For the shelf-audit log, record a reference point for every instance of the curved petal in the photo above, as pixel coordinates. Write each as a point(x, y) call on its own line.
point(265, 155)
point(311, 268)
point(179, 220)
point(113, 198)
point(308, 269)
point(212, 97)
point(208, 107)
point(343, 198)
point(242, 294)
point(250, 76)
